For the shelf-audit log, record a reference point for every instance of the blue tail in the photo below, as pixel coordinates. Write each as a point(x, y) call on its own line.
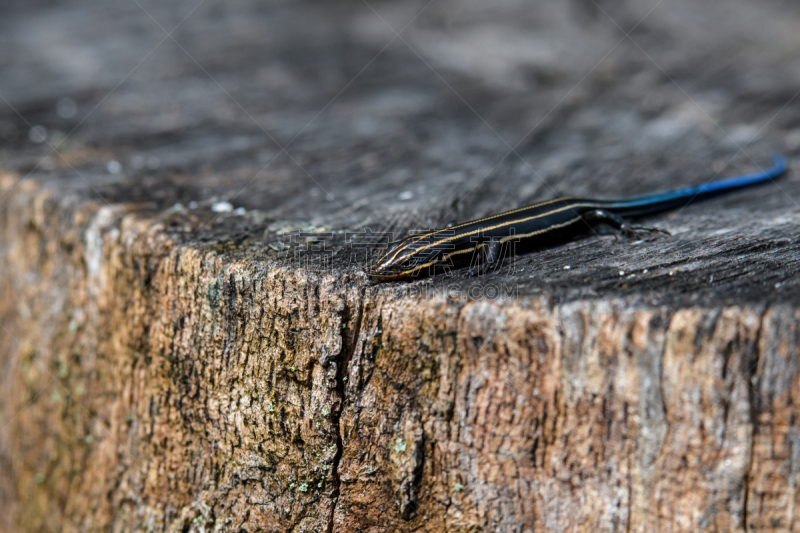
point(661, 201)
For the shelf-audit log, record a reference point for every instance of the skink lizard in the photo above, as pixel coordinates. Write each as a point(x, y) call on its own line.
point(540, 225)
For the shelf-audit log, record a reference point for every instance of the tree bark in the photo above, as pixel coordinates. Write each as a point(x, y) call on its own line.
point(171, 364)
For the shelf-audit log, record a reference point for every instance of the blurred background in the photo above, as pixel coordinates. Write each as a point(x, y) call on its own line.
point(398, 114)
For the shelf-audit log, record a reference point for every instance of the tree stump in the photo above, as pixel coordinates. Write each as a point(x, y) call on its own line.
point(191, 342)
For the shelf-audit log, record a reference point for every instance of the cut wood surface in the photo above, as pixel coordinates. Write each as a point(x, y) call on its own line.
point(190, 196)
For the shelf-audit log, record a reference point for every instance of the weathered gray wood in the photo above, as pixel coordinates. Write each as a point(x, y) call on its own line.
point(170, 366)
